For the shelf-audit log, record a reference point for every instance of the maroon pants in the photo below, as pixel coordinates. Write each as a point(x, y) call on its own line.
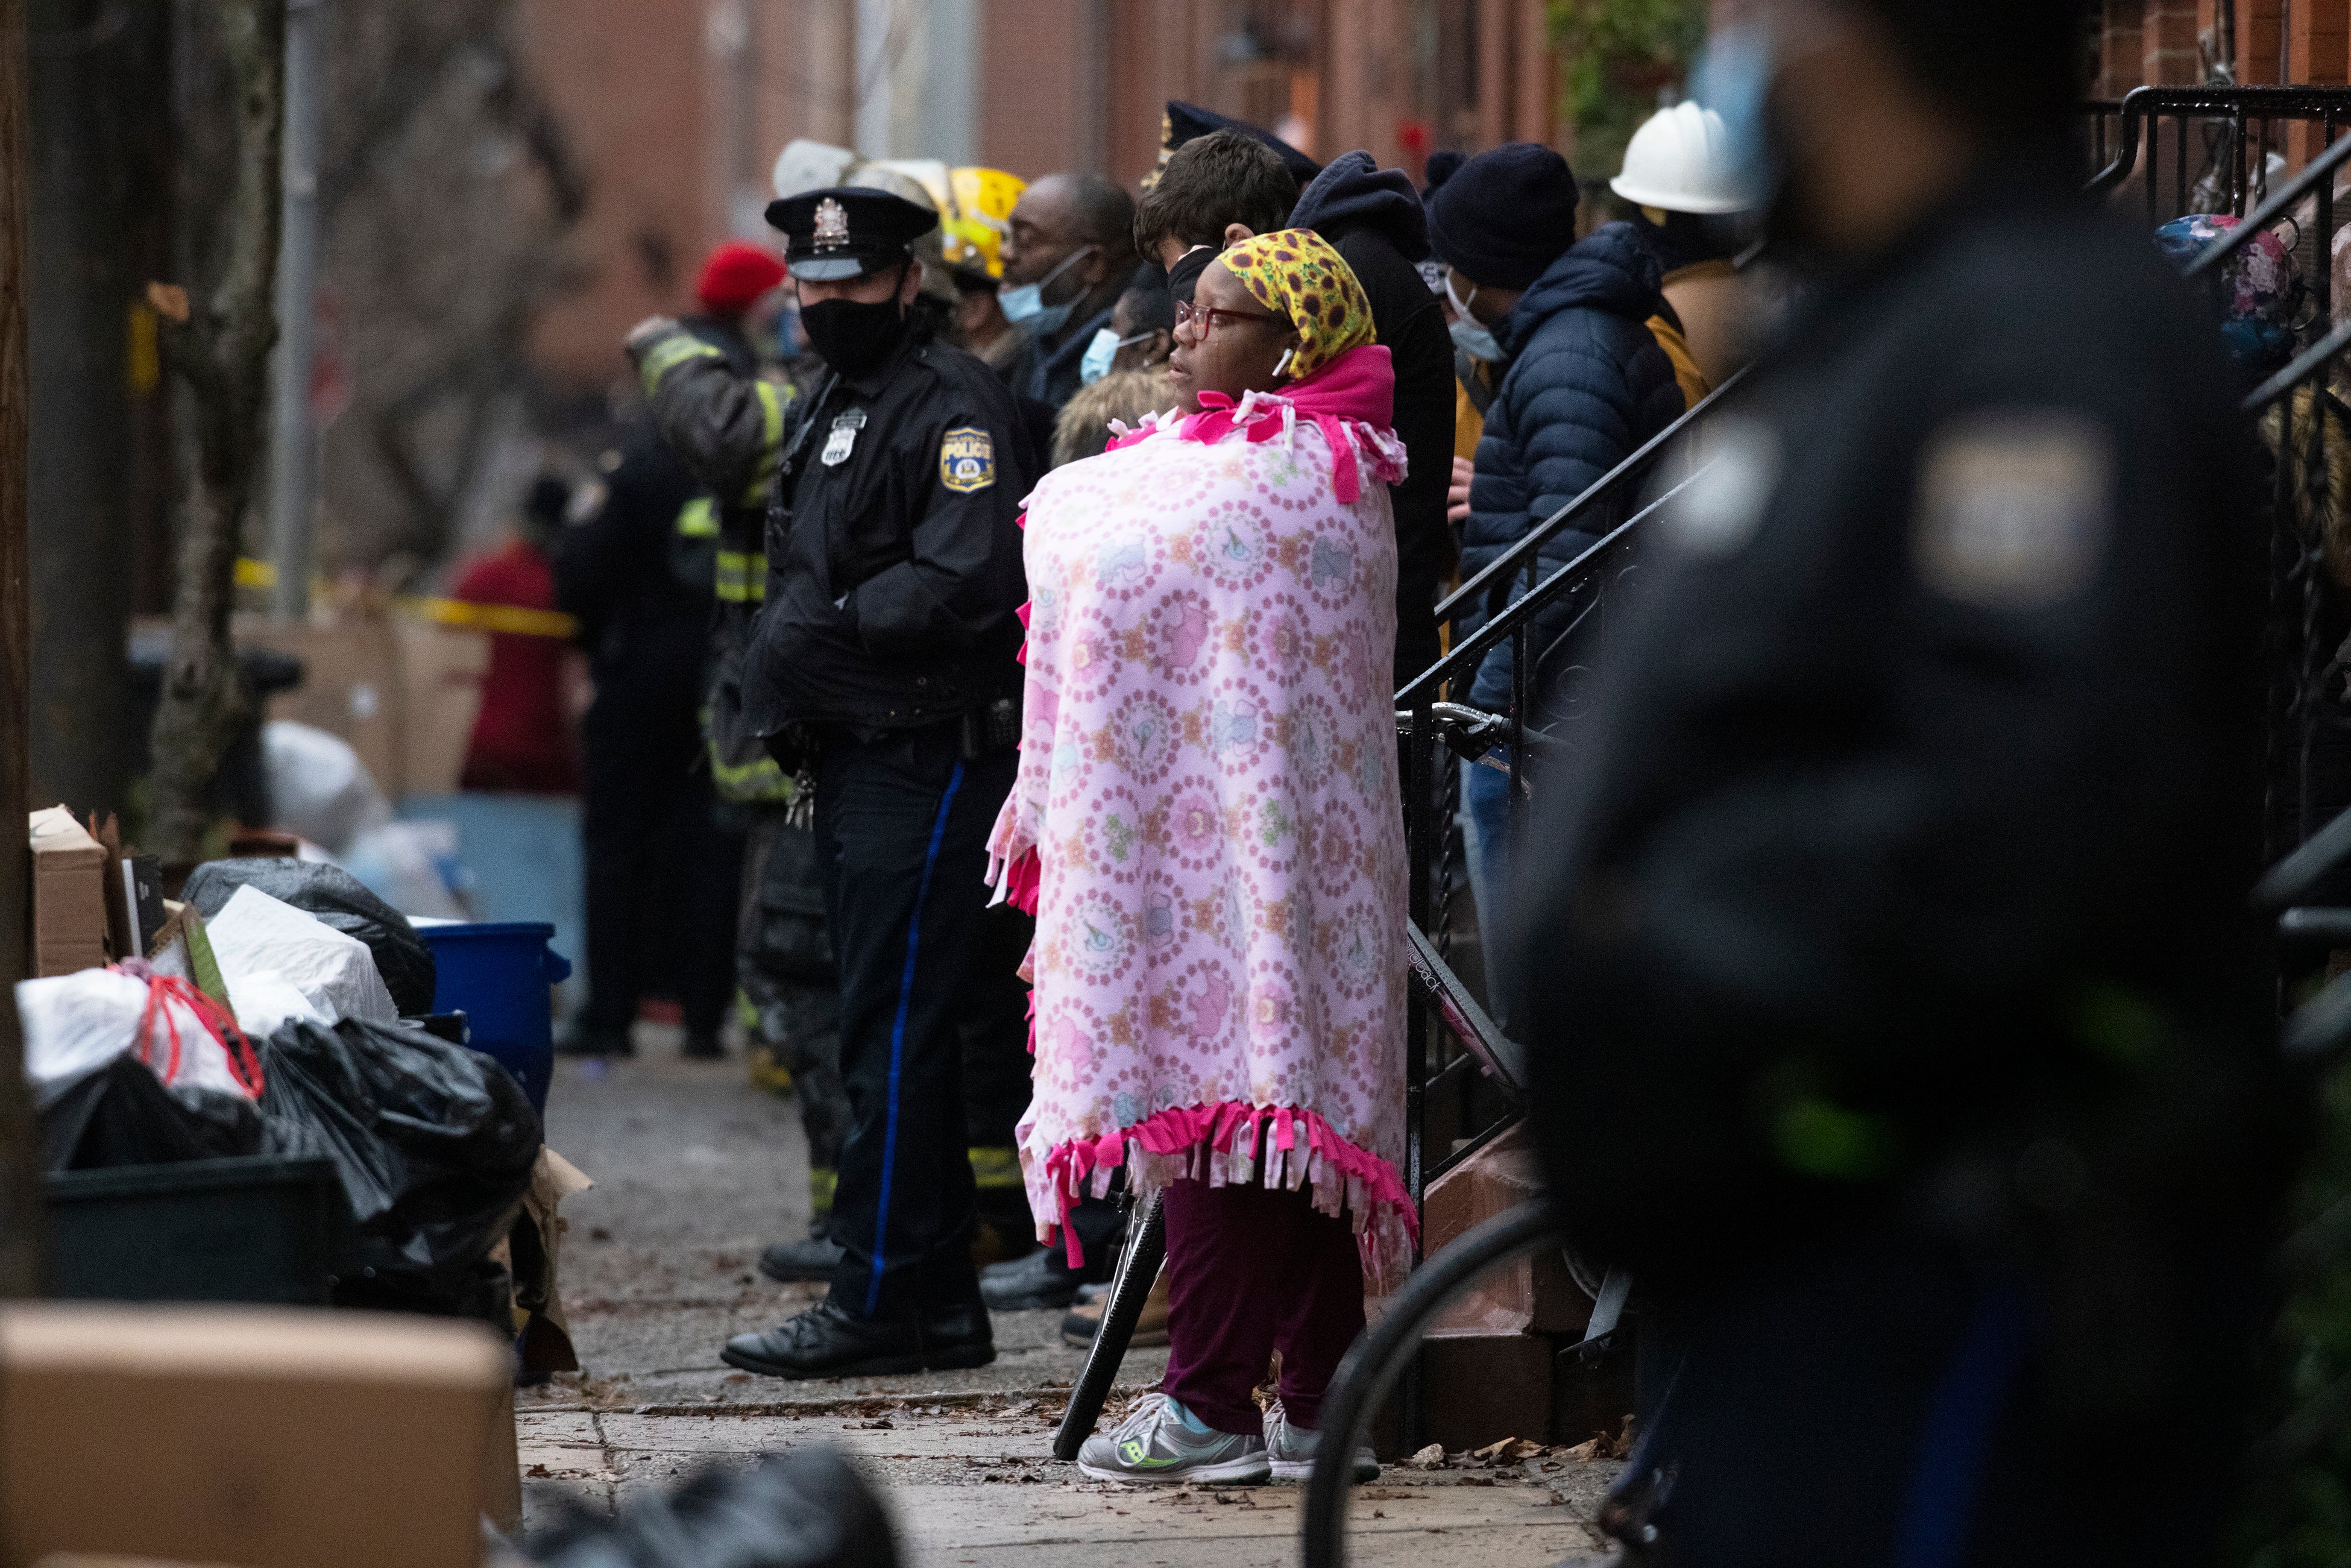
point(1249, 1272)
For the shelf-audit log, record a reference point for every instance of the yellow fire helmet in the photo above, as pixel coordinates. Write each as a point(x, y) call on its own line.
point(979, 217)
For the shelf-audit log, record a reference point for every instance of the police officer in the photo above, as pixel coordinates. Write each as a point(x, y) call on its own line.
point(883, 667)
point(1887, 970)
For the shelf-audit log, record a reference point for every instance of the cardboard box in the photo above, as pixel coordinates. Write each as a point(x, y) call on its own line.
point(262, 1436)
point(1533, 1295)
point(351, 687)
point(68, 894)
point(441, 670)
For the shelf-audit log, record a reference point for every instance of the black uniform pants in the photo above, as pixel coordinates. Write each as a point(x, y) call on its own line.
point(902, 825)
point(662, 874)
point(784, 956)
point(1871, 1400)
point(995, 1060)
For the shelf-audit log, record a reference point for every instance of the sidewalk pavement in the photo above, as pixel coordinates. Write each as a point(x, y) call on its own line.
point(695, 1172)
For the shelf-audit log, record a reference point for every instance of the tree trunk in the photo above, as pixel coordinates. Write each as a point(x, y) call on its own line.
point(81, 284)
point(21, 1228)
point(221, 348)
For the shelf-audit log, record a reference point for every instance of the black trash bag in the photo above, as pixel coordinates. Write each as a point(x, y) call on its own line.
point(122, 1114)
point(805, 1509)
point(339, 899)
point(434, 1144)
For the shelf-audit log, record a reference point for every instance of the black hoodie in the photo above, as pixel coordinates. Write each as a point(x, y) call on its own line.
point(1373, 218)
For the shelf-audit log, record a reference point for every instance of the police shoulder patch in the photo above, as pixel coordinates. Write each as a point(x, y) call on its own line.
point(2016, 509)
point(966, 459)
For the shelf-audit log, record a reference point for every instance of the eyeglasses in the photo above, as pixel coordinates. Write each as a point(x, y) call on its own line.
point(1204, 318)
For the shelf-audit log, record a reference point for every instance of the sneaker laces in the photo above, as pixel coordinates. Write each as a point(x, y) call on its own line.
point(1144, 1417)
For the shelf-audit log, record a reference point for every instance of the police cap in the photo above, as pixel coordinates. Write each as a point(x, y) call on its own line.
point(848, 231)
point(1186, 122)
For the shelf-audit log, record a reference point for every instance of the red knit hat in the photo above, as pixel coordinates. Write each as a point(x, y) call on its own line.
point(734, 275)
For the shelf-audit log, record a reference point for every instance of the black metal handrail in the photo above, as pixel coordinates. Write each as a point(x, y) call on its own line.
point(1499, 569)
point(2239, 105)
point(2280, 202)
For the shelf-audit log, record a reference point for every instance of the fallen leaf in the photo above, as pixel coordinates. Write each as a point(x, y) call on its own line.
point(1432, 1457)
point(536, 1470)
point(1476, 1480)
point(1586, 1451)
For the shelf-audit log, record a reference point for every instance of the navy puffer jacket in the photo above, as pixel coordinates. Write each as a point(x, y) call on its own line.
point(1586, 385)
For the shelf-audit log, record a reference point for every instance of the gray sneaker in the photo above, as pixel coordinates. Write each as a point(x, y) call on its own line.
point(1154, 1446)
point(1289, 1450)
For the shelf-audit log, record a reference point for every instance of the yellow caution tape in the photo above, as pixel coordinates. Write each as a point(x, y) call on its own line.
point(508, 618)
point(511, 618)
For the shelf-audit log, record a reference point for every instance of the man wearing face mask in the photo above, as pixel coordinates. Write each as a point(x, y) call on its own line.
point(1896, 1009)
point(882, 670)
point(1069, 253)
point(1581, 384)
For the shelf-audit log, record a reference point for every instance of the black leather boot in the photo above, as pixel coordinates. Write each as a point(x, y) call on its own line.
point(1040, 1280)
point(826, 1342)
point(801, 1262)
point(958, 1337)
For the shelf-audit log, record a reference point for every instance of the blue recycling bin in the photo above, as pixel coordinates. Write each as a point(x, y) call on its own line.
point(497, 974)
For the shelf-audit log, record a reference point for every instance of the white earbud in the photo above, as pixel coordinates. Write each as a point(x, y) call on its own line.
point(1282, 365)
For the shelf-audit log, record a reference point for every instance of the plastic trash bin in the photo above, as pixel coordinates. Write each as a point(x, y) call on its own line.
point(497, 973)
point(257, 1229)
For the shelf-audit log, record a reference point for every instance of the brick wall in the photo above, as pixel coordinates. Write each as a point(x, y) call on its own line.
point(2168, 56)
point(2318, 51)
point(2122, 52)
point(630, 81)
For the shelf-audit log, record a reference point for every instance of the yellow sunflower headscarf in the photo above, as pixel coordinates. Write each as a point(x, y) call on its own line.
point(1295, 274)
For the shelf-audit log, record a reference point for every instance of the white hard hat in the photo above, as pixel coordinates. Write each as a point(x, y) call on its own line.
point(804, 165)
point(1681, 160)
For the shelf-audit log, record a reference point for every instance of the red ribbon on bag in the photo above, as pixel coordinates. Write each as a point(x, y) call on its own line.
point(217, 1022)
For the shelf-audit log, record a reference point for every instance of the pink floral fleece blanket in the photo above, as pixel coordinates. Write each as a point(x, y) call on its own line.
point(1207, 816)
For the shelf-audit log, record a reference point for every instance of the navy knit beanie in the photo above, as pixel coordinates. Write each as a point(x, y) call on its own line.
point(1505, 216)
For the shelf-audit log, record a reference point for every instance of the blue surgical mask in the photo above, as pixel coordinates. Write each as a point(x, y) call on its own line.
point(1026, 306)
point(1734, 79)
point(1469, 335)
point(1102, 354)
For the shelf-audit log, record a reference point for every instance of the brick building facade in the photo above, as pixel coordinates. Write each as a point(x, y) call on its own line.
point(2179, 43)
point(677, 107)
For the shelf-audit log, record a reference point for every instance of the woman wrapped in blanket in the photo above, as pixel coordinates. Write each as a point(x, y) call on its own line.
point(1206, 822)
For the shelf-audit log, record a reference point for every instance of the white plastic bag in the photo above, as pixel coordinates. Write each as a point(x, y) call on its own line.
point(319, 787)
point(256, 934)
point(266, 1002)
point(79, 1023)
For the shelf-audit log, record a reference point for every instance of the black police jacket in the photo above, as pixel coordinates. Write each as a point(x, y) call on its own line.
point(1921, 803)
point(642, 624)
point(894, 581)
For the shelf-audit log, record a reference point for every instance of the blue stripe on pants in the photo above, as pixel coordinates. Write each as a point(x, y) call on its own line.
point(1955, 1448)
point(898, 1038)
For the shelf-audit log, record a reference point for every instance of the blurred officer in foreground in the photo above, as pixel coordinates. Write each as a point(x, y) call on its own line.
point(882, 670)
point(1898, 1015)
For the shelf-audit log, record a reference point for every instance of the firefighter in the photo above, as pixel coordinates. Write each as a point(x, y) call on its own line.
point(1896, 1011)
point(881, 671)
point(661, 869)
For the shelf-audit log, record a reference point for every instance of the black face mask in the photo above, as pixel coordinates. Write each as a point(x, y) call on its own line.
point(1185, 276)
point(853, 338)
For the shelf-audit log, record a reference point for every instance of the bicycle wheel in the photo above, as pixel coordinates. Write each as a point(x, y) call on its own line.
point(1377, 1360)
